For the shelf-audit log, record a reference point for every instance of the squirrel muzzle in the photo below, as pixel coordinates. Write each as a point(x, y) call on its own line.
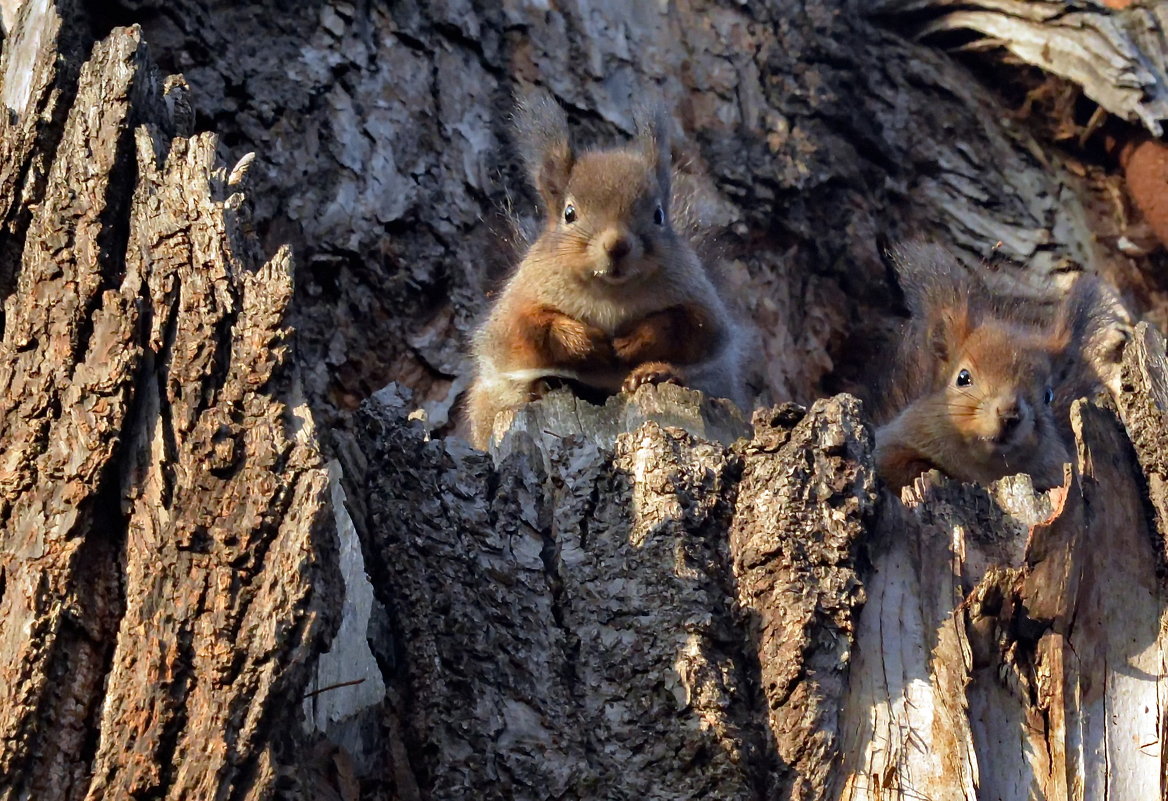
point(1008, 422)
point(617, 256)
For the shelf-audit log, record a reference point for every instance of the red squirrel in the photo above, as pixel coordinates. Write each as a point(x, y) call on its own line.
point(608, 296)
point(984, 385)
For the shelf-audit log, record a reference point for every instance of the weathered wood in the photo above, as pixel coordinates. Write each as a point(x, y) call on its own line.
point(608, 579)
point(1116, 50)
point(67, 367)
point(806, 497)
point(38, 72)
point(560, 414)
point(1143, 405)
point(607, 607)
point(1012, 647)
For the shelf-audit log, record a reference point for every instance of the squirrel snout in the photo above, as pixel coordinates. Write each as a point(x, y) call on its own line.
point(1009, 412)
point(1012, 412)
point(618, 246)
point(616, 251)
point(616, 243)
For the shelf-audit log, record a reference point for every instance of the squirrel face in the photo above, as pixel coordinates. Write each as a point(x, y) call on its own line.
point(607, 211)
point(999, 394)
point(985, 382)
point(613, 228)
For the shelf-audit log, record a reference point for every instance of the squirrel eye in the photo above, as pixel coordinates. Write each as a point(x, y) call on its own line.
point(964, 378)
point(1048, 396)
point(569, 213)
point(659, 215)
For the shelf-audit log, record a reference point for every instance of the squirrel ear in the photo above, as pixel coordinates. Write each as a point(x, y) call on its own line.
point(542, 131)
point(937, 291)
point(1084, 310)
point(653, 133)
point(948, 326)
point(1091, 330)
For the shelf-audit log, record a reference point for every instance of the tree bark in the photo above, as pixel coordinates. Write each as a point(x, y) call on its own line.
point(166, 553)
point(653, 599)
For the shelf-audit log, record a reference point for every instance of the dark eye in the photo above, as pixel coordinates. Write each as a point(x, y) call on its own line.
point(1048, 396)
point(569, 213)
point(964, 379)
point(659, 215)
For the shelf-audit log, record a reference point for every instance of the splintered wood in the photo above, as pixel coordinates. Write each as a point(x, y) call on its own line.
point(1013, 644)
point(1117, 51)
point(959, 643)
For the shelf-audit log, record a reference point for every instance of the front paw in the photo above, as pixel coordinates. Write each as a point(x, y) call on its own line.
point(629, 347)
point(579, 343)
point(651, 373)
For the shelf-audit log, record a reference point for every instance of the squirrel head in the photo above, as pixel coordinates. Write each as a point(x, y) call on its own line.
point(1000, 384)
point(607, 211)
point(994, 377)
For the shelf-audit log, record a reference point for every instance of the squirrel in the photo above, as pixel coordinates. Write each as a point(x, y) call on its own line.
point(609, 296)
point(985, 385)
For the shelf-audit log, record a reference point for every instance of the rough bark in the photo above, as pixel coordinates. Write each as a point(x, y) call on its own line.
point(960, 643)
point(164, 548)
point(579, 625)
point(1117, 50)
point(817, 133)
point(651, 599)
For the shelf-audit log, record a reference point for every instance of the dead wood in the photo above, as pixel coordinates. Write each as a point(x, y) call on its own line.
point(1116, 50)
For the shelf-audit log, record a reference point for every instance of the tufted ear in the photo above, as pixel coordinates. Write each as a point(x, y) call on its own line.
point(948, 327)
point(1082, 312)
point(653, 134)
point(1090, 332)
point(939, 294)
point(541, 129)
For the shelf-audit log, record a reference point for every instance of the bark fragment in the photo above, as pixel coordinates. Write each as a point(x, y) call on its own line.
point(806, 497)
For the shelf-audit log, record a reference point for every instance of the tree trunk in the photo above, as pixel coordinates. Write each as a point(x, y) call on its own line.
point(654, 599)
point(167, 557)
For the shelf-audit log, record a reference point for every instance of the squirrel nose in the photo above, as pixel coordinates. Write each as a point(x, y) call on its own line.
point(618, 246)
point(1010, 413)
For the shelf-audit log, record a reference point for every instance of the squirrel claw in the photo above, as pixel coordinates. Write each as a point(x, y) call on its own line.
point(651, 373)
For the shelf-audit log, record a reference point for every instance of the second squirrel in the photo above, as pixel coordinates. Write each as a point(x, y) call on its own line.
point(609, 296)
point(982, 385)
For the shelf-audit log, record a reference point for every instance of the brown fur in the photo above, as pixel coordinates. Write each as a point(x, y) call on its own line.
point(609, 299)
point(680, 334)
point(544, 337)
point(984, 386)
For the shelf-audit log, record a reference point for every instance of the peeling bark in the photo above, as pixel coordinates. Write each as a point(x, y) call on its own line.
point(1117, 50)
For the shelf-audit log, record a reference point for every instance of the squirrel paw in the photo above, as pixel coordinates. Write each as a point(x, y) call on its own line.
point(651, 373)
point(575, 342)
